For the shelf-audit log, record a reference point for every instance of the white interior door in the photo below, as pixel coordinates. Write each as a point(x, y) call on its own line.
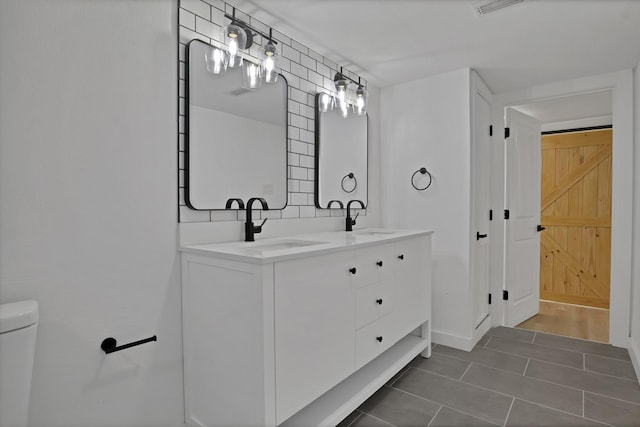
point(480, 194)
point(522, 239)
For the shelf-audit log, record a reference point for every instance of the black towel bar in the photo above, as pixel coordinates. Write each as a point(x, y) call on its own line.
point(109, 345)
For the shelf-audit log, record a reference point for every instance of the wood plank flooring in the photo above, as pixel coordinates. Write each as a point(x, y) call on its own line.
point(570, 321)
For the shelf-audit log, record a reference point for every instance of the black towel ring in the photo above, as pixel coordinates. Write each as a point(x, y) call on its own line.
point(350, 175)
point(421, 171)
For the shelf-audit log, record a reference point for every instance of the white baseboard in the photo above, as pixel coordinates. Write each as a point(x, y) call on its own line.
point(461, 343)
point(634, 353)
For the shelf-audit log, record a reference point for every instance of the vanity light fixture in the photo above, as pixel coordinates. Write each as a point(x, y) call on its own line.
point(237, 37)
point(359, 104)
point(270, 59)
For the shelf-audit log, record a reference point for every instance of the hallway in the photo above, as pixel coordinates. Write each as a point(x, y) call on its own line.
point(577, 321)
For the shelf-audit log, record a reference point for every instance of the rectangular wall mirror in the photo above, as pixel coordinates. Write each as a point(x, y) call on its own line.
point(235, 138)
point(341, 158)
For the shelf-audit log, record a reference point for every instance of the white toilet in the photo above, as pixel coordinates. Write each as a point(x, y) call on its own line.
point(18, 324)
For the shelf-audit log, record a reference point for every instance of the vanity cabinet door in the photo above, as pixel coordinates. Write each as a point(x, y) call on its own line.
point(314, 328)
point(413, 282)
point(374, 264)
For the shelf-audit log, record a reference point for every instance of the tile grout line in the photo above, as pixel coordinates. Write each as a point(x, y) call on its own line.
point(356, 418)
point(379, 419)
point(613, 398)
point(524, 373)
point(435, 415)
point(446, 406)
point(583, 403)
point(465, 371)
point(485, 344)
point(402, 374)
point(534, 337)
point(584, 361)
point(513, 400)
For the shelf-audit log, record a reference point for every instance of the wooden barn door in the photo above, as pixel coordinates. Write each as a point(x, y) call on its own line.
point(575, 248)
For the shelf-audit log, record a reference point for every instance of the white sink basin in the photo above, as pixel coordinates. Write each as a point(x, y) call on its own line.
point(283, 244)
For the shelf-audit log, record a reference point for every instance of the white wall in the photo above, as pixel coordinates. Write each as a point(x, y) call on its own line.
point(88, 166)
point(635, 274)
point(426, 123)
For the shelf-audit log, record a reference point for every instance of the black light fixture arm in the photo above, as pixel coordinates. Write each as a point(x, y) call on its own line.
point(340, 76)
point(246, 26)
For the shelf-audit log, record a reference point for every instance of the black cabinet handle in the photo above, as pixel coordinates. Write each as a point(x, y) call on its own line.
point(379, 263)
point(480, 236)
point(352, 270)
point(540, 228)
point(379, 339)
point(379, 301)
point(401, 256)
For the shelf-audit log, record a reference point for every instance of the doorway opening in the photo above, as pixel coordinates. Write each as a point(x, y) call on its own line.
point(575, 215)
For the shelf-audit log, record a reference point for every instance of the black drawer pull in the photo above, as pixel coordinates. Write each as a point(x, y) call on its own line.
point(379, 339)
point(352, 270)
point(379, 301)
point(379, 263)
point(480, 236)
point(401, 256)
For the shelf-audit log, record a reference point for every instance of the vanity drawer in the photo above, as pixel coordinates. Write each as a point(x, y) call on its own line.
point(374, 263)
point(373, 302)
point(373, 339)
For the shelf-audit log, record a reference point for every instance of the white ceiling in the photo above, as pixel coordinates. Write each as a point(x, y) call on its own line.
point(531, 43)
point(571, 108)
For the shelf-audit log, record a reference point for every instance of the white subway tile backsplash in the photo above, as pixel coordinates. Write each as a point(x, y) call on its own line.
point(315, 78)
point(187, 19)
point(306, 71)
point(298, 121)
point(307, 211)
point(298, 70)
point(308, 62)
point(207, 28)
point(299, 47)
point(291, 53)
point(306, 161)
point(298, 172)
point(307, 136)
point(197, 7)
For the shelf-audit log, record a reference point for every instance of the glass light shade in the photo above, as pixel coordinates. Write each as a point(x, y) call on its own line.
point(235, 38)
point(360, 102)
point(326, 102)
point(270, 59)
point(251, 75)
point(341, 97)
point(216, 60)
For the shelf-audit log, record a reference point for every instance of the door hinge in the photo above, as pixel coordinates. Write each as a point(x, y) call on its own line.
point(490, 214)
point(490, 130)
point(507, 132)
point(505, 295)
point(506, 214)
point(489, 298)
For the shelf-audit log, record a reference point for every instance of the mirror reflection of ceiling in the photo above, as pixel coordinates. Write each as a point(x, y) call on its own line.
point(225, 93)
point(530, 43)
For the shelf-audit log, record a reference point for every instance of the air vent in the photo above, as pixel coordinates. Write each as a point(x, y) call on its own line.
point(240, 91)
point(484, 7)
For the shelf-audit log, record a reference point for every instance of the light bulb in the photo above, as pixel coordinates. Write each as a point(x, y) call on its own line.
point(235, 38)
point(270, 63)
point(360, 104)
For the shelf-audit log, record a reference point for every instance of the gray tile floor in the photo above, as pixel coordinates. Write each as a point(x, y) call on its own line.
point(513, 377)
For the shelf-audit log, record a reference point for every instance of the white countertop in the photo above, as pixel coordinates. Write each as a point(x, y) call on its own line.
point(273, 249)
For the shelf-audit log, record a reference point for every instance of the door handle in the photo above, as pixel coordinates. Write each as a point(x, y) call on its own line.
point(540, 228)
point(480, 236)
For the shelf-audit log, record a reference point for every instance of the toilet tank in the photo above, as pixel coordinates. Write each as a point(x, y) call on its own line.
point(18, 323)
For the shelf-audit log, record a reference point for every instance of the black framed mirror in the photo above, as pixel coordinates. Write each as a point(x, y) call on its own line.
point(341, 158)
point(235, 138)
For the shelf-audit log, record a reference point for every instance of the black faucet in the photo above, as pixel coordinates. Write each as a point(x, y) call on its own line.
point(249, 229)
point(335, 201)
point(230, 202)
point(351, 222)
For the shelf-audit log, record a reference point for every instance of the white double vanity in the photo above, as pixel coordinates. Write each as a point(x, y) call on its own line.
point(301, 330)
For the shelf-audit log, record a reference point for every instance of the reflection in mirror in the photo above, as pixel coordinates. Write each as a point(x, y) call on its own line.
point(235, 138)
point(341, 158)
